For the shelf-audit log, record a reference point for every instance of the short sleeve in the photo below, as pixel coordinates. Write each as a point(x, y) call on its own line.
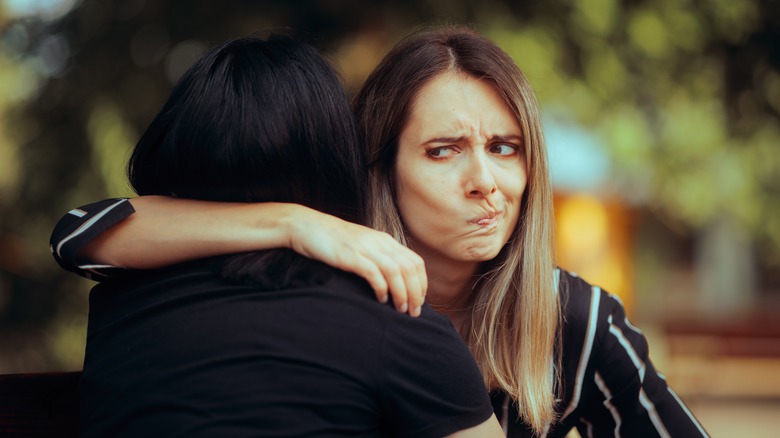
point(431, 385)
point(79, 227)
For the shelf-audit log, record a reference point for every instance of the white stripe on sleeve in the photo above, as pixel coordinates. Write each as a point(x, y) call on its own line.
point(638, 363)
point(85, 226)
point(659, 425)
point(640, 366)
point(625, 320)
point(505, 415)
point(595, 298)
point(608, 402)
point(588, 427)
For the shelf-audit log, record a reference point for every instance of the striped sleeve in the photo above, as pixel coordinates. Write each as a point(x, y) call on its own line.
point(79, 227)
point(631, 396)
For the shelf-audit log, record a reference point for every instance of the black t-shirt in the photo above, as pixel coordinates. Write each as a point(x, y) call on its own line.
point(184, 352)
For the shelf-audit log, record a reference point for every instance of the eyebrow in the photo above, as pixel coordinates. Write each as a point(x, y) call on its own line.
point(493, 139)
point(444, 140)
point(508, 137)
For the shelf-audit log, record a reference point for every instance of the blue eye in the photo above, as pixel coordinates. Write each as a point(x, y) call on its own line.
point(504, 149)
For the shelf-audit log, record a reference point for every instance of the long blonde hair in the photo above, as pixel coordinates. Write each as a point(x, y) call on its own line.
point(512, 330)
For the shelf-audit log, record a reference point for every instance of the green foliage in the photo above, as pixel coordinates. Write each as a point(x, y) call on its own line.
point(683, 95)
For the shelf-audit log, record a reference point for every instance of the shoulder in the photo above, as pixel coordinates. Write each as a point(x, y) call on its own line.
point(584, 304)
point(596, 331)
point(403, 331)
point(581, 319)
point(430, 384)
point(587, 318)
point(580, 301)
point(406, 341)
point(586, 310)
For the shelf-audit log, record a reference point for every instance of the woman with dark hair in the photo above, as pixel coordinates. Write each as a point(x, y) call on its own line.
point(459, 174)
point(265, 343)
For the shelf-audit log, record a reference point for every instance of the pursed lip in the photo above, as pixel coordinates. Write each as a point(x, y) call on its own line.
point(488, 219)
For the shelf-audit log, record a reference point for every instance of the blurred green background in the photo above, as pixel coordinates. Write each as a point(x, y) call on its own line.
point(663, 127)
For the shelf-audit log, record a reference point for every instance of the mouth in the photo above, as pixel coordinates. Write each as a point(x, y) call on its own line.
point(487, 220)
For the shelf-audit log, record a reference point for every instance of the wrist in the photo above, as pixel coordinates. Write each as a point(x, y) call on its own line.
point(291, 220)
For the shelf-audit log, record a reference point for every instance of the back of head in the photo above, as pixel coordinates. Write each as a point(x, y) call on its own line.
point(255, 120)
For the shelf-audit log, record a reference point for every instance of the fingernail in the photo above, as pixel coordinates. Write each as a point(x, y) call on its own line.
point(417, 311)
point(383, 299)
point(404, 308)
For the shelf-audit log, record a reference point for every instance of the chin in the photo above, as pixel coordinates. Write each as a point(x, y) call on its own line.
point(481, 254)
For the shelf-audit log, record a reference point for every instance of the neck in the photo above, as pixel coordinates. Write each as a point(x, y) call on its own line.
point(450, 287)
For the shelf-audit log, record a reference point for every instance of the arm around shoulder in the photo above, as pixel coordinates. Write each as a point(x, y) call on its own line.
point(165, 231)
point(152, 232)
point(155, 231)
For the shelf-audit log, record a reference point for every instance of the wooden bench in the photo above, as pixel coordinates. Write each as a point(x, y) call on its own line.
point(732, 359)
point(39, 405)
point(756, 335)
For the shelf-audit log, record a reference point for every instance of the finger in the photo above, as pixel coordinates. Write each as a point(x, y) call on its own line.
point(395, 281)
point(415, 284)
point(373, 275)
point(423, 273)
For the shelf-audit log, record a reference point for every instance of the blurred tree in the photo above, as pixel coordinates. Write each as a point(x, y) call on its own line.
point(685, 95)
point(84, 83)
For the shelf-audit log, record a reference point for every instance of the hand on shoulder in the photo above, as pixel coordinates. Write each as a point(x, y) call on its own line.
point(388, 266)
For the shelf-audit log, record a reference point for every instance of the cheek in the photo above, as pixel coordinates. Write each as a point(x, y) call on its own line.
point(421, 200)
point(414, 196)
point(406, 195)
point(415, 183)
point(514, 185)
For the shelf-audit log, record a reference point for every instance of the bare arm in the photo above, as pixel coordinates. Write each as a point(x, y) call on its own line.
point(490, 428)
point(166, 231)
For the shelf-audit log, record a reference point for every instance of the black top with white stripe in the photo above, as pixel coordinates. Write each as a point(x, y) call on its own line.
point(609, 386)
point(78, 227)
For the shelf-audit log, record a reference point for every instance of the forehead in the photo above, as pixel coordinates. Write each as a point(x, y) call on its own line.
point(454, 101)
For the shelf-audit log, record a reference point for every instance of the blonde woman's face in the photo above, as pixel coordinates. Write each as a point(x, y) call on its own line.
point(460, 170)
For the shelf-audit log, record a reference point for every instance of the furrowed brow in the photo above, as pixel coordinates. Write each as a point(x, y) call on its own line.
point(506, 138)
point(445, 140)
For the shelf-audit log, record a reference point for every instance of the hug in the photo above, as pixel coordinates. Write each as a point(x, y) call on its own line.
point(236, 290)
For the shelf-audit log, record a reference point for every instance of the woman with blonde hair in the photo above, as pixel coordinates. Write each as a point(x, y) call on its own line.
point(458, 173)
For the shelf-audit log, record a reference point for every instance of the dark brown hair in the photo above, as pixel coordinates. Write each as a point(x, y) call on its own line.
point(256, 120)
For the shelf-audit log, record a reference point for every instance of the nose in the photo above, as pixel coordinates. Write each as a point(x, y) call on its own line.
point(480, 181)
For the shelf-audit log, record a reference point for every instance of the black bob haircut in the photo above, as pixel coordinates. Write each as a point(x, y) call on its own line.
point(256, 120)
